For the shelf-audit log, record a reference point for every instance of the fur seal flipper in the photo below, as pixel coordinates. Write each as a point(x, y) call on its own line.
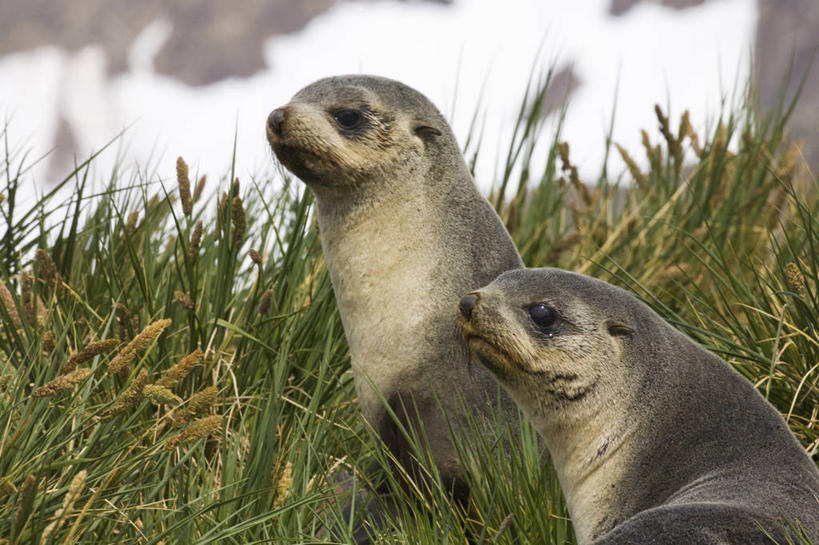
point(404, 233)
point(654, 439)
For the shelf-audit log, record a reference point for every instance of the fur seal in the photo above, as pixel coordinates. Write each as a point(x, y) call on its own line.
point(405, 233)
point(654, 439)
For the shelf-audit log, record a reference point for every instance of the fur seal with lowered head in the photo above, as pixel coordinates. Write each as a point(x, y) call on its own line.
point(405, 233)
point(655, 440)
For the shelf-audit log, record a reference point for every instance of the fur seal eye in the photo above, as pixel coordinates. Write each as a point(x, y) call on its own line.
point(543, 316)
point(347, 119)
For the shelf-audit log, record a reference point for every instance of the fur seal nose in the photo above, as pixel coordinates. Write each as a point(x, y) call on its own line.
point(275, 121)
point(466, 305)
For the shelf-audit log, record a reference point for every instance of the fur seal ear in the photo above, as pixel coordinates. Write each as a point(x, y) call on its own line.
point(421, 129)
point(618, 329)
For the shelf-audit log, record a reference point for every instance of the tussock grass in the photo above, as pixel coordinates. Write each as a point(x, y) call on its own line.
point(173, 368)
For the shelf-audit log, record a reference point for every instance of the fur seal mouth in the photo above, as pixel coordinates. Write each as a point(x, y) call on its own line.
point(492, 357)
point(297, 159)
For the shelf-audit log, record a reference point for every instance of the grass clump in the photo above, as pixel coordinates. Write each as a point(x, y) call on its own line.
point(173, 368)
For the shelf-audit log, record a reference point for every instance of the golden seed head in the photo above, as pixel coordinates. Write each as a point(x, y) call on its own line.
point(75, 488)
point(49, 343)
point(46, 269)
point(123, 322)
point(264, 304)
point(200, 402)
point(27, 495)
point(796, 280)
point(255, 257)
point(184, 186)
point(62, 383)
point(636, 173)
point(200, 186)
point(183, 299)
point(129, 398)
point(237, 217)
point(87, 353)
point(131, 222)
point(26, 296)
point(283, 484)
point(196, 237)
point(180, 370)
point(7, 300)
point(140, 342)
point(200, 429)
point(160, 395)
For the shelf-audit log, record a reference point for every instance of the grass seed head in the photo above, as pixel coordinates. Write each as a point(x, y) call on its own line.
point(48, 343)
point(200, 186)
point(88, 353)
point(123, 322)
point(27, 297)
point(131, 222)
point(283, 484)
point(200, 429)
point(7, 300)
point(46, 269)
point(75, 488)
point(25, 500)
point(237, 217)
point(200, 402)
point(180, 370)
point(636, 173)
point(128, 399)
point(796, 280)
point(255, 256)
point(264, 304)
point(123, 360)
point(62, 383)
point(184, 186)
point(183, 299)
point(196, 238)
point(160, 395)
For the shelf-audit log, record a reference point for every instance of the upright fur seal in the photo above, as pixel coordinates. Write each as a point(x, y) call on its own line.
point(655, 440)
point(404, 233)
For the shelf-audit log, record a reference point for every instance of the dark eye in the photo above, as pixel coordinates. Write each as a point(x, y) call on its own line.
point(543, 316)
point(347, 119)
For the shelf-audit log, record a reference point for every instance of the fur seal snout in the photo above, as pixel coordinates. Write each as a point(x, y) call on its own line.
point(654, 439)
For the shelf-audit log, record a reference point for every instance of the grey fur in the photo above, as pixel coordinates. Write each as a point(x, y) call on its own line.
point(667, 443)
point(405, 233)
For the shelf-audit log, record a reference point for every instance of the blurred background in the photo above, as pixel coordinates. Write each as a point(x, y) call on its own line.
point(190, 77)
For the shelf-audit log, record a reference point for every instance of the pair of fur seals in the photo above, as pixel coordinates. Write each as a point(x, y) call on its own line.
point(655, 440)
point(405, 233)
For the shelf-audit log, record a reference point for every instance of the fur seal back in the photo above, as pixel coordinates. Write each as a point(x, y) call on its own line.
point(655, 439)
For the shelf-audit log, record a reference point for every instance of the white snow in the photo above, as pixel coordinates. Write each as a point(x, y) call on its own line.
point(690, 59)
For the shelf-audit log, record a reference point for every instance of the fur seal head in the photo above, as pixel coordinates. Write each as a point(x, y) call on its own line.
point(654, 439)
point(345, 131)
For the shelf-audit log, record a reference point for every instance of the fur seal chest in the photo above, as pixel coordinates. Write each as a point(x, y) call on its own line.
point(654, 439)
point(404, 233)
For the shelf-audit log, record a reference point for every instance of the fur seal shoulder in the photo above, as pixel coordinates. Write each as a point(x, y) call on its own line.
point(404, 233)
point(654, 439)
